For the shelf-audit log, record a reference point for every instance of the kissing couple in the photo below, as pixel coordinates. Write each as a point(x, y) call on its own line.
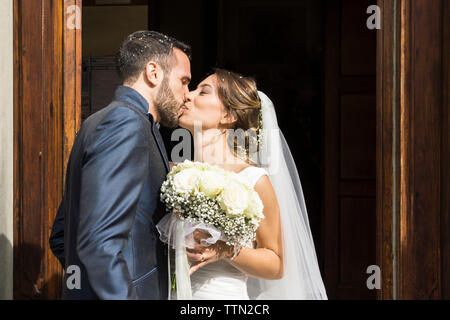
point(109, 227)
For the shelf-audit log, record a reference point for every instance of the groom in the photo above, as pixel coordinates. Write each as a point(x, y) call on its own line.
point(104, 233)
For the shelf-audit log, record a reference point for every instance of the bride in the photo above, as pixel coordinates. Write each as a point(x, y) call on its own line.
point(282, 263)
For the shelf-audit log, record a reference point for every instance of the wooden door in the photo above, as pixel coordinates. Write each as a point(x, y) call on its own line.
point(349, 163)
point(413, 149)
point(47, 92)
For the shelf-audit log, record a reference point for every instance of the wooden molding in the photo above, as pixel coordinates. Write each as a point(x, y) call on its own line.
point(387, 178)
point(72, 61)
point(445, 168)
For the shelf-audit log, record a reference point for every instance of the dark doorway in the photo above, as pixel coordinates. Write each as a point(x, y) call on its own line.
point(316, 61)
point(105, 26)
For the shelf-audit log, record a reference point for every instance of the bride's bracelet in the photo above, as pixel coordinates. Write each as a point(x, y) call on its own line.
point(237, 249)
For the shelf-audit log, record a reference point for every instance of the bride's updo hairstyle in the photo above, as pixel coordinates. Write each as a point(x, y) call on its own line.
point(239, 95)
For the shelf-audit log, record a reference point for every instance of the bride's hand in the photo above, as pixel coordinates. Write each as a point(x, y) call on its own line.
point(202, 255)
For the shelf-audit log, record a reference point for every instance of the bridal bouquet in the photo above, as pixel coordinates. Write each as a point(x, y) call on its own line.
point(214, 200)
point(199, 196)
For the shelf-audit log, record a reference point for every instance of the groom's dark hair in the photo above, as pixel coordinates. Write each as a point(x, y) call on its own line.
point(141, 47)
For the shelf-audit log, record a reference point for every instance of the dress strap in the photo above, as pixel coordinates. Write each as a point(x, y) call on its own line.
point(253, 174)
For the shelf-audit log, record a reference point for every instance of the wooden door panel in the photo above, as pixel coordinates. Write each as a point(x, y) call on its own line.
point(358, 46)
point(357, 137)
point(100, 81)
point(357, 248)
point(37, 109)
point(412, 138)
point(46, 116)
point(349, 215)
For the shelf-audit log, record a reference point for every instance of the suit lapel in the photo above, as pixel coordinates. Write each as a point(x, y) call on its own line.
point(161, 147)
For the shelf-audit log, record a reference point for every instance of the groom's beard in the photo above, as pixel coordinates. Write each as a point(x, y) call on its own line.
point(167, 106)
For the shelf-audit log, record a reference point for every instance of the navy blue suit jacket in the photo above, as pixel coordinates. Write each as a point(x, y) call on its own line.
point(105, 224)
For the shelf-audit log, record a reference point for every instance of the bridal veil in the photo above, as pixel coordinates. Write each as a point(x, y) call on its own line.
point(301, 279)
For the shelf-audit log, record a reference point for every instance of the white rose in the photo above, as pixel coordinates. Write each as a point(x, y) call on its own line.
point(211, 183)
point(186, 180)
point(234, 198)
point(255, 206)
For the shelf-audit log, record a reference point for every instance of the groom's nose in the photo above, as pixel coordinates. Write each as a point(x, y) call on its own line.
point(187, 96)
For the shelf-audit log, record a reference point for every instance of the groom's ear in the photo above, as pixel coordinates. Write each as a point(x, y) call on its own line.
point(153, 74)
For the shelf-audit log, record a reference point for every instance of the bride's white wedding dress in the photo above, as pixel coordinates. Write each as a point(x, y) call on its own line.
point(220, 280)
